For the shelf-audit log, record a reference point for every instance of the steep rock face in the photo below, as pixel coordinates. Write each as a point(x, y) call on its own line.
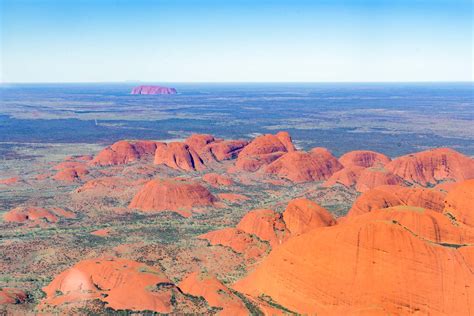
point(119, 283)
point(299, 166)
point(263, 150)
point(460, 202)
point(123, 152)
point(364, 158)
point(393, 195)
point(432, 166)
point(179, 156)
point(366, 266)
point(302, 215)
point(214, 292)
point(12, 296)
point(153, 90)
point(370, 178)
point(347, 176)
point(238, 240)
point(266, 225)
point(176, 195)
point(217, 180)
point(24, 214)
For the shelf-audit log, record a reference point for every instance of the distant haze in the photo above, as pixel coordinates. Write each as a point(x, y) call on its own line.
point(236, 41)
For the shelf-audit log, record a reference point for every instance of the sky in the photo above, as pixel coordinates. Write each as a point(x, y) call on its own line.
point(236, 41)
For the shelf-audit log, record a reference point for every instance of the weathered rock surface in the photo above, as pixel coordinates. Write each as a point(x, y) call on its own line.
point(364, 158)
point(432, 166)
point(299, 166)
point(460, 202)
point(393, 195)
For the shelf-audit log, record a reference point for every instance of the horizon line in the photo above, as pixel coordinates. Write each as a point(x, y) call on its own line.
point(226, 82)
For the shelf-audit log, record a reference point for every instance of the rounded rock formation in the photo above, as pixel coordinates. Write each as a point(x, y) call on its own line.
point(364, 158)
point(393, 195)
point(24, 214)
point(302, 215)
point(263, 150)
point(368, 266)
point(120, 283)
point(432, 166)
point(177, 195)
point(298, 166)
point(123, 152)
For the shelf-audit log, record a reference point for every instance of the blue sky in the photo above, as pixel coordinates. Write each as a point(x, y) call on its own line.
point(236, 41)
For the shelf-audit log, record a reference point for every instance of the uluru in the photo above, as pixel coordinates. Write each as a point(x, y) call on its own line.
point(153, 90)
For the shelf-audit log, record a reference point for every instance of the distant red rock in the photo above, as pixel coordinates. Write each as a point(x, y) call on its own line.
point(432, 166)
point(177, 195)
point(119, 283)
point(392, 195)
point(364, 158)
point(23, 214)
point(214, 292)
point(12, 296)
point(123, 152)
point(217, 180)
point(299, 166)
point(153, 90)
point(302, 215)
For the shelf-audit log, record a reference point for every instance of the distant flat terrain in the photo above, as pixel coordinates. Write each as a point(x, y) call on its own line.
point(392, 118)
